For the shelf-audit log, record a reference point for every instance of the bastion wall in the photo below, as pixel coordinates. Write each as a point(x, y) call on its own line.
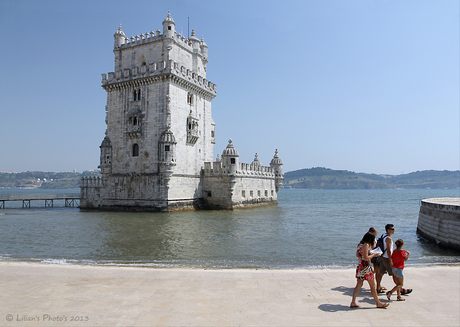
point(439, 221)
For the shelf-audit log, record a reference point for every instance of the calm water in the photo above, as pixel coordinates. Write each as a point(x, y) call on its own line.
point(310, 228)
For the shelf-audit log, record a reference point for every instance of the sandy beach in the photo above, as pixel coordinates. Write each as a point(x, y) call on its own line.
point(68, 295)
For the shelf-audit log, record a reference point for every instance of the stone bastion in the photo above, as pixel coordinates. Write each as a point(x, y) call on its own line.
point(439, 221)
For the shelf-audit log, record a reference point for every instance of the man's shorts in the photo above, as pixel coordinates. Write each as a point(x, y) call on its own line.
point(375, 262)
point(385, 266)
point(398, 272)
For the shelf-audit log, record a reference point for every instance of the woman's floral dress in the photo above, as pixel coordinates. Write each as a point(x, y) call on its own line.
point(364, 269)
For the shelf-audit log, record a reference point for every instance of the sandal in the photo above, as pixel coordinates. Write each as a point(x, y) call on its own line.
point(388, 295)
point(384, 305)
point(382, 290)
point(401, 299)
point(405, 291)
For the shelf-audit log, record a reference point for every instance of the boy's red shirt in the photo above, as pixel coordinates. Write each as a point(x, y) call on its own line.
point(398, 258)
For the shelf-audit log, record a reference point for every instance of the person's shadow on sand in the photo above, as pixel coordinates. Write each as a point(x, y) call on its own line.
point(347, 291)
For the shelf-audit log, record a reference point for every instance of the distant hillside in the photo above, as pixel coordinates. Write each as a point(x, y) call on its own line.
point(43, 180)
point(311, 178)
point(324, 178)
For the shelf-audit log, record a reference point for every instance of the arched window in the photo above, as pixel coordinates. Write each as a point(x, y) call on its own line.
point(139, 94)
point(135, 150)
point(134, 95)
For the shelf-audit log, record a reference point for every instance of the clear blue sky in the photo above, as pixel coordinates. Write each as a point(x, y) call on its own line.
point(366, 86)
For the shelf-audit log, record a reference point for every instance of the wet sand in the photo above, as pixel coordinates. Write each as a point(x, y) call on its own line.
point(67, 295)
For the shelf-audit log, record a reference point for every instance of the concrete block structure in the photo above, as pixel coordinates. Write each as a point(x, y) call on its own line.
point(157, 154)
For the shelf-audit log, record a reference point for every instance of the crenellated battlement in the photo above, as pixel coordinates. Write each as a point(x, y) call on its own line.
point(256, 170)
point(151, 37)
point(216, 169)
point(159, 68)
point(141, 39)
point(153, 54)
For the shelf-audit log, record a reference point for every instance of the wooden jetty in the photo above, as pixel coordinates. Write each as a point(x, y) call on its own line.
point(70, 199)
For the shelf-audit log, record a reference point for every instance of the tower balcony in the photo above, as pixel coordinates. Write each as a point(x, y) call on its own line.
point(192, 136)
point(134, 131)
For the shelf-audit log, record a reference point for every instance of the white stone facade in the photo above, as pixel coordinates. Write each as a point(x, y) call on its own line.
point(158, 150)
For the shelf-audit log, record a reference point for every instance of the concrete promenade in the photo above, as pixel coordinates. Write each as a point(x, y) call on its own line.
point(53, 295)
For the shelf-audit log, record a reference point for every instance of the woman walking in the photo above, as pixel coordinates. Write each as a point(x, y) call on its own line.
point(364, 271)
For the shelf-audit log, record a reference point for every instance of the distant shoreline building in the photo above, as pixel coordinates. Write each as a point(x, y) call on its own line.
point(157, 154)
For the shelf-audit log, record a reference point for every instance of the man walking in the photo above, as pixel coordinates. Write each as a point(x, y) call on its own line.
point(385, 259)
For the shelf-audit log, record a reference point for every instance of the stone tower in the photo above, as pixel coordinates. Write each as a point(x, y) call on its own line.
point(160, 134)
point(158, 116)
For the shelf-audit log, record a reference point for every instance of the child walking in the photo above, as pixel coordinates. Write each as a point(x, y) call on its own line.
point(399, 258)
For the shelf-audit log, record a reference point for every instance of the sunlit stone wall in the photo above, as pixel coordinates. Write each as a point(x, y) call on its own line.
point(439, 221)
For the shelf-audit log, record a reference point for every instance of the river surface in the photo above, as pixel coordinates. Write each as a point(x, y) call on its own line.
point(308, 229)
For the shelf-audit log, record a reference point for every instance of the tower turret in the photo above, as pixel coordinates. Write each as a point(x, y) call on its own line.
point(194, 41)
point(167, 148)
point(204, 49)
point(167, 155)
point(230, 159)
point(106, 156)
point(119, 38)
point(277, 165)
point(169, 27)
point(256, 162)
